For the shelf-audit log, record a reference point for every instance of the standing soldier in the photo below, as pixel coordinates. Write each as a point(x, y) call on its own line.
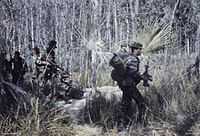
point(50, 58)
point(39, 63)
point(19, 68)
point(6, 67)
point(126, 73)
point(51, 50)
point(123, 48)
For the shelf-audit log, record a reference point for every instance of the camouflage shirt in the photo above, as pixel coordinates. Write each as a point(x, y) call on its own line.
point(132, 71)
point(131, 67)
point(39, 65)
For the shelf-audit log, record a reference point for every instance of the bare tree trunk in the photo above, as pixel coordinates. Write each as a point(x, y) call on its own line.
point(137, 6)
point(132, 19)
point(97, 19)
point(174, 11)
point(188, 46)
point(127, 27)
point(32, 29)
point(39, 38)
point(115, 22)
point(26, 41)
point(73, 18)
point(197, 43)
point(108, 27)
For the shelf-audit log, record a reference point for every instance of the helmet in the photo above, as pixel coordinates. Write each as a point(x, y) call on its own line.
point(135, 45)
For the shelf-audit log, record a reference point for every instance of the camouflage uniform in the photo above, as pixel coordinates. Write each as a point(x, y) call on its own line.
point(19, 68)
point(128, 84)
point(39, 66)
point(50, 58)
point(6, 67)
point(130, 91)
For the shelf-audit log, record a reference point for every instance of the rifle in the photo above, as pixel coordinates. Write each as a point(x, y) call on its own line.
point(55, 65)
point(146, 76)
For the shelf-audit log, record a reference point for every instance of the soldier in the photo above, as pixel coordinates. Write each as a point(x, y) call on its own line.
point(127, 76)
point(6, 67)
point(123, 48)
point(19, 68)
point(51, 50)
point(50, 58)
point(40, 63)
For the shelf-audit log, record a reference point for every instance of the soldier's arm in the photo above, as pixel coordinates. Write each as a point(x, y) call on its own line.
point(39, 62)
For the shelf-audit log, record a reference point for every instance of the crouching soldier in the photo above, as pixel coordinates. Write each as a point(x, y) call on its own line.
point(126, 73)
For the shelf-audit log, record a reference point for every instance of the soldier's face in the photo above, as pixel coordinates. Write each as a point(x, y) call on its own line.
point(136, 52)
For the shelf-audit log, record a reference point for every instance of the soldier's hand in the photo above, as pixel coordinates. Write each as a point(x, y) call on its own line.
point(145, 76)
point(150, 78)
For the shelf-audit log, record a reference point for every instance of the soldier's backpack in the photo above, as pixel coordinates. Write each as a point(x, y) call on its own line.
point(119, 68)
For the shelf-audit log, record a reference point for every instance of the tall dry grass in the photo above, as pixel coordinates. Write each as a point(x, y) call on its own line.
point(173, 108)
point(173, 105)
point(39, 122)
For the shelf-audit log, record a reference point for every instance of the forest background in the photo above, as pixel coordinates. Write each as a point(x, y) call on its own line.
point(88, 31)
